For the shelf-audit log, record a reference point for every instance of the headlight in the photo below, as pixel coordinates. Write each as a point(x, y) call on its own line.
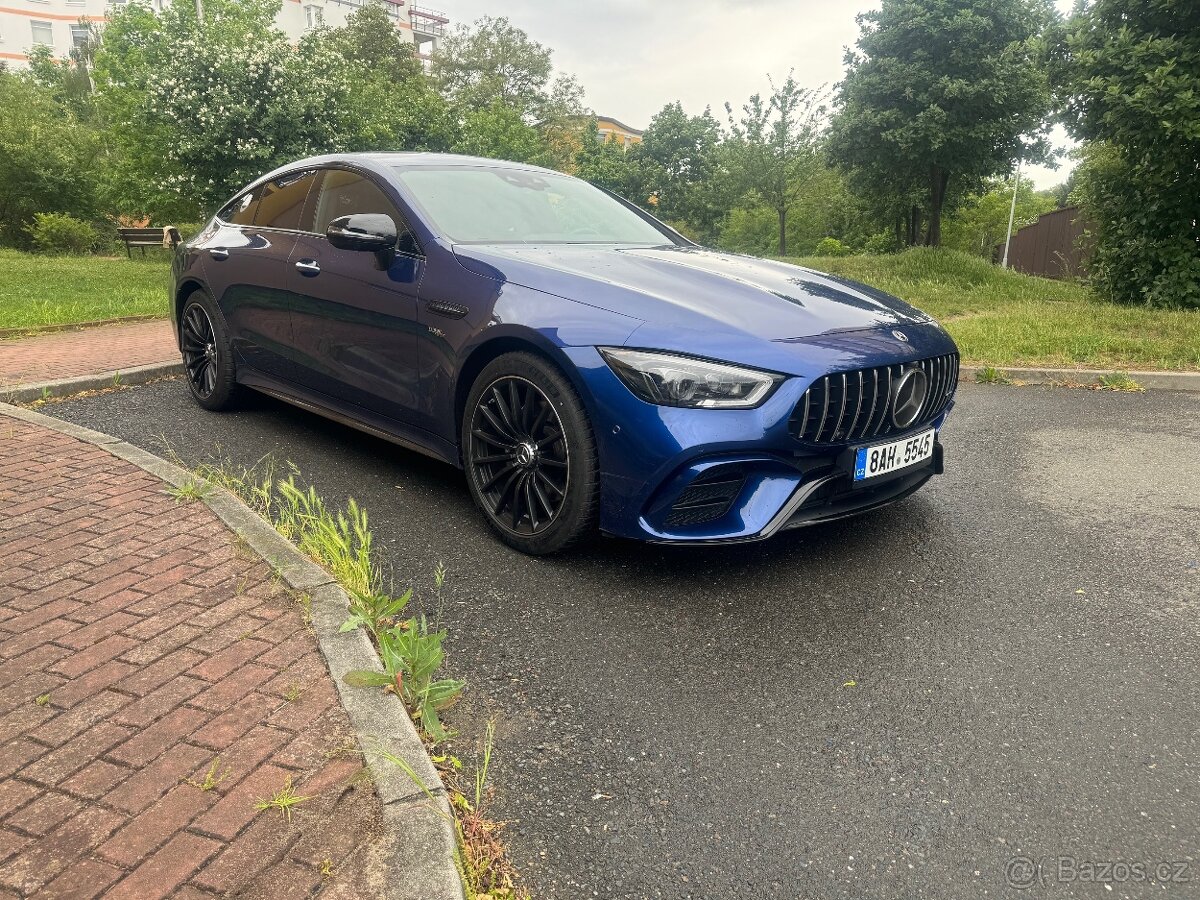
point(670, 380)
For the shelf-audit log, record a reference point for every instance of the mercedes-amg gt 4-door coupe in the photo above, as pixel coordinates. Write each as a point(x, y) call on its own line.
point(590, 369)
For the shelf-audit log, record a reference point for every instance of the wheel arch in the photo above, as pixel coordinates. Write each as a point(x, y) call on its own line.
point(183, 290)
point(483, 354)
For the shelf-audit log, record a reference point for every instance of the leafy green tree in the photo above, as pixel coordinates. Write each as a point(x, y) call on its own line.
point(47, 158)
point(607, 164)
point(980, 221)
point(943, 90)
point(493, 74)
point(499, 132)
point(1131, 79)
point(681, 171)
point(391, 104)
point(202, 108)
point(772, 149)
point(494, 62)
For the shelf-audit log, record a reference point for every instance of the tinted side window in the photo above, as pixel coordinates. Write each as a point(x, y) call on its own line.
point(281, 201)
point(346, 193)
point(241, 210)
point(343, 193)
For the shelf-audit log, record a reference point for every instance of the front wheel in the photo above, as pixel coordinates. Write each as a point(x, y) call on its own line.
point(530, 455)
point(207, 353)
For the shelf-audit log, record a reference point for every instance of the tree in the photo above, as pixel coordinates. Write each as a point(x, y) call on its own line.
point(940, 91)
point(499, 132)
point(47, 158)
point(1131, 81)
point(392, 105)
point(772, 149)
point(494, 62)
point(607, 164)
point(679, 168)
point(491, 72)
point(202, 108)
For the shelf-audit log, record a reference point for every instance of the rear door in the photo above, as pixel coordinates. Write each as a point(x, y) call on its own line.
point(354, 324)
point(246, 264)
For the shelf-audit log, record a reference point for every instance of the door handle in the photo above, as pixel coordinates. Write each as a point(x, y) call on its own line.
point(219, 253)
point(309, 267)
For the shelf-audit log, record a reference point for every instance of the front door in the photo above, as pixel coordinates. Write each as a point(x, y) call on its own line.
point(354, 324)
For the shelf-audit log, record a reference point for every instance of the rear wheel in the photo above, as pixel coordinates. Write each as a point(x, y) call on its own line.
point(530, 455)
point(207, 353)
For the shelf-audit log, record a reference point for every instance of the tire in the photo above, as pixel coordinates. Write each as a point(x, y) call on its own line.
point(208, 365)
point(530, 456)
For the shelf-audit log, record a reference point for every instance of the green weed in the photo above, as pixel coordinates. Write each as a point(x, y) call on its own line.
point(283, 800)
point(991, 375)
point(190, 491)
point(1119, 381)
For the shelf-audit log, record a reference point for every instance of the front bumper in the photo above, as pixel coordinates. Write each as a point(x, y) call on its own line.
point(705, 476)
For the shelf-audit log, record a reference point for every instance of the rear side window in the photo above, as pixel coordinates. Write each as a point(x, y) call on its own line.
point(281, 200)
point(241, 210)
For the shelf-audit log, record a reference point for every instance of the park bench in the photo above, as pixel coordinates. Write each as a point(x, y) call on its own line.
point(148, 237)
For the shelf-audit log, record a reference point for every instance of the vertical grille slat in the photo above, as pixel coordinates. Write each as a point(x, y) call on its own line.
point(824, 383)
point(842, 404)
point(858, 402)
point(841, 398)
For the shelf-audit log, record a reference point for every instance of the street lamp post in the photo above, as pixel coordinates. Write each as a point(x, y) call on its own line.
point(1012, 211)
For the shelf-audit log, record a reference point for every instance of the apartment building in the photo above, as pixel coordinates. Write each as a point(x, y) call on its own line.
point(611, 129)
point(25, 24)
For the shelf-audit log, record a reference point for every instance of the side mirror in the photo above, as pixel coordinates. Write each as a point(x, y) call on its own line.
point(369, 232)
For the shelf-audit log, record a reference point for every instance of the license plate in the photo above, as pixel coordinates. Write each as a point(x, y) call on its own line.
point(871, 462)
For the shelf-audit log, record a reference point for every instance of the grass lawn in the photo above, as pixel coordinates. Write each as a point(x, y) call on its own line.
point(1002, 318)
point(57, 290)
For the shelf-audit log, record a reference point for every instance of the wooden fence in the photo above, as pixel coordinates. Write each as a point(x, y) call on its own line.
point(1051, 246)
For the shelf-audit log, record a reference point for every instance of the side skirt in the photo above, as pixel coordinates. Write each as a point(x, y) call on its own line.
point(423, 443)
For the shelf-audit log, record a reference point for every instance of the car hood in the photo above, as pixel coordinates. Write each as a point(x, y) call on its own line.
point(694, 289)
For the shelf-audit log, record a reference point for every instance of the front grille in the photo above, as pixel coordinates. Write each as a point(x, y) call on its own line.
point(852, 406)
point(705, 499)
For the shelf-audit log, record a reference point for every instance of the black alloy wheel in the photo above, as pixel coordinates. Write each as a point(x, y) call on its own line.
point(519, 455)
point(207, 354)
point(197, 340)
point(530, 455)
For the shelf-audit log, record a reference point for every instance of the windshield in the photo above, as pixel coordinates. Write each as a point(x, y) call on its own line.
point(496, 205)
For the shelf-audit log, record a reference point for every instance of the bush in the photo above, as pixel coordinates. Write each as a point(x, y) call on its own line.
point(60, 233)
point(882, 243)
point(831, 247)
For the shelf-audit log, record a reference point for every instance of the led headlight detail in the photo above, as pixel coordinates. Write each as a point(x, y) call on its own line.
point(670, 380)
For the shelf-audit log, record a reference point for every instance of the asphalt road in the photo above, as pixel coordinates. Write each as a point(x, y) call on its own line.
point(1003, 666)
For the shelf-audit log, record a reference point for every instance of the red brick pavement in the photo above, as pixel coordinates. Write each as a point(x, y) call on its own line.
point(140, 646)
point(86, 351)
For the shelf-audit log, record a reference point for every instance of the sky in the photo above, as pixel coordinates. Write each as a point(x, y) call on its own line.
point(635, 56)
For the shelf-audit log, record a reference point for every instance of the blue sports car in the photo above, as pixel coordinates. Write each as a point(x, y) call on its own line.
point(587, 366)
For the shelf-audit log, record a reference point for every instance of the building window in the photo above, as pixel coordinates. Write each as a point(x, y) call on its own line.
point(80, 35)
point(314, 15)
point(43, 33)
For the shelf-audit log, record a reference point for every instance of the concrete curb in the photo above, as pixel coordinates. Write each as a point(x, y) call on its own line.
point(62, 387)
point(1167, 381)
point(419, 819)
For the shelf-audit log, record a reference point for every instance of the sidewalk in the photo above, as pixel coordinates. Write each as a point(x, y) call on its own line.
point(87, 351)
point(142, 646)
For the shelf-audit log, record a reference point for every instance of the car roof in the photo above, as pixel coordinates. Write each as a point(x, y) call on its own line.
point(406, 159)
